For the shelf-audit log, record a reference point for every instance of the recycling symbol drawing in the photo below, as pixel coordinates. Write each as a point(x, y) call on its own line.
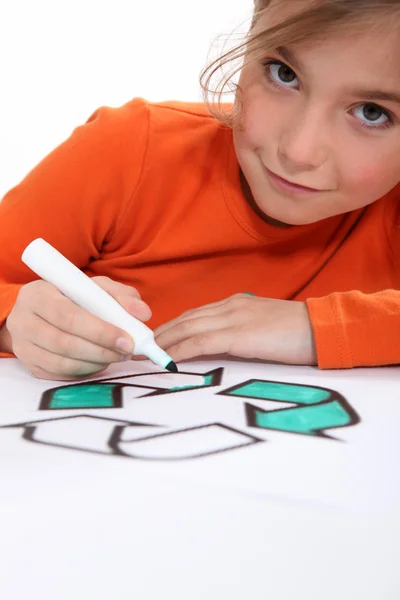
point(196, 415)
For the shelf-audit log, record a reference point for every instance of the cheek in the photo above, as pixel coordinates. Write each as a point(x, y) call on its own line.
point(253, 128)
point(258, 116)
point(371, 179)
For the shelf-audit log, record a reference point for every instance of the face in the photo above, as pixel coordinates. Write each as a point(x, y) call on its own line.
point(316, 116)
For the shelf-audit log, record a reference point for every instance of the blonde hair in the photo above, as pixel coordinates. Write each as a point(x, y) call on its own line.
point(315, 21)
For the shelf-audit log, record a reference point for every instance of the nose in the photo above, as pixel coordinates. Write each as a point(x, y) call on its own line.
point(304, 142)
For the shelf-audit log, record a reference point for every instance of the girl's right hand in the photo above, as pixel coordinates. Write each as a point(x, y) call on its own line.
point(56, 339)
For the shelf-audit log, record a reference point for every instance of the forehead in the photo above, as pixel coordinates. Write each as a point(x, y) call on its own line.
point(371, 56)
point(374, 47)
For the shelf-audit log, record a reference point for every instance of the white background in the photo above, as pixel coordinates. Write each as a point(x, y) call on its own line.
point(84, 539)
point(62, 60)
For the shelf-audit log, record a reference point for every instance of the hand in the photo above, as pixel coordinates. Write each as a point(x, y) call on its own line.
point(243, 326)
point(56, 339)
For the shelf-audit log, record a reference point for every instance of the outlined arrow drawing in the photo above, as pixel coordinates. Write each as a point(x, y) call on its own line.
point(88, 433)
point(181, 444)
point(115, 437)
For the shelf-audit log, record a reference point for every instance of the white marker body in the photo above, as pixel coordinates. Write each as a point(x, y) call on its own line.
point(54, 268)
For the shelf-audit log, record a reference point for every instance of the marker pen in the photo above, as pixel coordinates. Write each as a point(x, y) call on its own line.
point(54, 268)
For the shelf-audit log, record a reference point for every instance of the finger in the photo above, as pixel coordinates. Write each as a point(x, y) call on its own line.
point(135, 307)
point(61, 365)
point(48, 337)
point(63, 314)
point(139, 357)
point(203, 344)
point(192, 327)
point(115, 288)
point(207, 310)
point(214, 308)
point(126, 295)
point(39, 373)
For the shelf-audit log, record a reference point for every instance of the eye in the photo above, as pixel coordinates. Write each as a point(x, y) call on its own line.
point(280, 74)
point(373, 116)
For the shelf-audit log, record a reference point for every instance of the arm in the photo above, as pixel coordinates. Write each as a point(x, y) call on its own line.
point(356, 330)
point(8, 296)
point(5, 342)
point(74, 198)
point(353, 329)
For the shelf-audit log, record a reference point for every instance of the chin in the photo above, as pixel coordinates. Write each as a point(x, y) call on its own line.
point(290, 218)
point(298, 220)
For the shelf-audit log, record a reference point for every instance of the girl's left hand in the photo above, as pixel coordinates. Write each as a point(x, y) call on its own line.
point(244, 326)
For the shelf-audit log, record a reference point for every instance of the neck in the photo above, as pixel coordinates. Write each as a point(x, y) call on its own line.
point(250, 200)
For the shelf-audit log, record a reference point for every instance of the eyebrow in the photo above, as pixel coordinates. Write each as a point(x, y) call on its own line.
point(289, 57)
point(372, 95)
point(377, 95)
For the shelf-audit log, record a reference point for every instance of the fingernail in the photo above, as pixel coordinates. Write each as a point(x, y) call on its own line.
point(125, 357)
point(124, 345)
point(136, 303)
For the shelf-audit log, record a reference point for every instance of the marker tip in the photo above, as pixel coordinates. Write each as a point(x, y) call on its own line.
point(171, 366)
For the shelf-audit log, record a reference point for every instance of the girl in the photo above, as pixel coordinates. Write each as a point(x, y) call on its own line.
point(290, 194)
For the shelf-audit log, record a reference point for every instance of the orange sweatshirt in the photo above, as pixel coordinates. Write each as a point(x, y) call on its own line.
point(149, 195)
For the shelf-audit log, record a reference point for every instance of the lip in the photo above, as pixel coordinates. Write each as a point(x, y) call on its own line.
point(288, 185)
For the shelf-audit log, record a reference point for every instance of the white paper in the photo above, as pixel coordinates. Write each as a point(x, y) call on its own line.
point(211, 424)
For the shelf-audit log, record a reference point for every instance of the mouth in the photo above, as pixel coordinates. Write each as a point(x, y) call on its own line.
point(290, 186)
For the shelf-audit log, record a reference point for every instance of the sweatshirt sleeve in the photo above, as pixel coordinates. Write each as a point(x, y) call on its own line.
point(74, 197)
point(353, 329)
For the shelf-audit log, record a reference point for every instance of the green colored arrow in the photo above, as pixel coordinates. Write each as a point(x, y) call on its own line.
point(90, 395)
point(104, 393)
point(281, 392)
point(316, 408)
point(309, 420)
point(208, 381)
